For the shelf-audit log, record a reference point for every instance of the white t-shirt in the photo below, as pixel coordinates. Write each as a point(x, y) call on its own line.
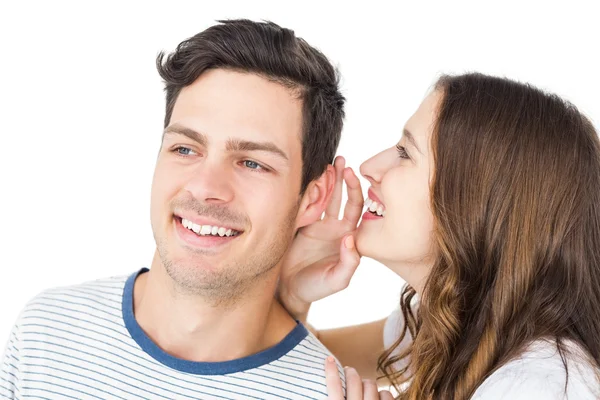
point(538, 373)
point(83, 342)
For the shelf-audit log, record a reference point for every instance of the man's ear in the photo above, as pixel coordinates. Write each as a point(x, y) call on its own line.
point(316, 198)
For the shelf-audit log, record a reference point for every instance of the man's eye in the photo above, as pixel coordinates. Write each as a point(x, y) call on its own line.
point(184, 151)
point(252, 165)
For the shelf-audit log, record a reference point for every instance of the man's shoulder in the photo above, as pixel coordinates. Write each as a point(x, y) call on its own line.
point(109, 287)
point(309, 355)
point(301, 369)
point(310, 348)
point(101, 295)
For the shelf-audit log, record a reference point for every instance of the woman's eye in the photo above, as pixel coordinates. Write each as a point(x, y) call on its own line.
point(402, 152)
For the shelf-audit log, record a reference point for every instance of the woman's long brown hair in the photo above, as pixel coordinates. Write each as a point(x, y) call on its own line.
point(516, 203)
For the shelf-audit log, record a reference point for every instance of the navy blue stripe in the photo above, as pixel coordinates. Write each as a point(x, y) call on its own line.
point(53, 384)
point(92, 363)
point(300, 371)
point(40, 397)
point(118, 309)
point(110, 369)
point(314, 348)
point(305, 366)
point(320, 376)
point(224, 382)
point(131, 369)
point(62, 378)
point(12, 392)
point(320, 383)
point(112, 314)
point(88, 337)
point(11, 382)
point(287, 383)
point(92, 294)
point(75, 311)
point(95, 290)
point(148, 368)
point(319, 359)
point(265, 384)
point(72, 325)
point(308, 342)
point(319, 366)
point(248, 388)
point(118, 286)
point(153, 362)
point(13, 367)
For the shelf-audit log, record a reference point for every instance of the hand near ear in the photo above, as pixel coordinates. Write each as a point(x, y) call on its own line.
point(323, 256)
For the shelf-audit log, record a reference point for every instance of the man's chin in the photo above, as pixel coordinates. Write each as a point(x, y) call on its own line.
point(194, 264)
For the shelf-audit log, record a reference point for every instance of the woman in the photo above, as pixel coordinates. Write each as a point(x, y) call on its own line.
point(489, 208)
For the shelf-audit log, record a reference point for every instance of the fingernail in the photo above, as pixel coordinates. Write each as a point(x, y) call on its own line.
point(349, 242)
point(330, 359)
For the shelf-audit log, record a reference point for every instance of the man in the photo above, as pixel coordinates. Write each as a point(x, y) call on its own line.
point(253, 120)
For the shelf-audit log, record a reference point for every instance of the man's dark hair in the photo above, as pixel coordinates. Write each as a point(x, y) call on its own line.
point(268, 50)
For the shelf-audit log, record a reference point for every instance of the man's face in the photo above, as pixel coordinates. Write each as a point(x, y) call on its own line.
point(226, 186)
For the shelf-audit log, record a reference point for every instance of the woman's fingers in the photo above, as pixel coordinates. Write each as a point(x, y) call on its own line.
point(354, 205)
point(354, 385)
point(335, 390)
point(343, 271)
point(370, 390)
point(356, 388)
point(333, 208)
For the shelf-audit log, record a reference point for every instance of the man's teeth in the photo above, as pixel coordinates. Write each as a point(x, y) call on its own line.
point(205, 230)
point(374, 207)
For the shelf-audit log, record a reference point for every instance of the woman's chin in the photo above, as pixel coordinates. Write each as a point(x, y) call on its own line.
point(364, 245)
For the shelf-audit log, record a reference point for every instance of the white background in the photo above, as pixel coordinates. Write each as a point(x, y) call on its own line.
point(81, 110)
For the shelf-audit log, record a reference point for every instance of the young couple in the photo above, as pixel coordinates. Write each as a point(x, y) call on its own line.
point(487, 205)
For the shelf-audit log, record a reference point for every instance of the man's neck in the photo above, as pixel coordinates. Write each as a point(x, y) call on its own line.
point(190, 328)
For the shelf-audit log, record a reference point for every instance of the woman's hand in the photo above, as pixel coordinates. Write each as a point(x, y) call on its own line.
point(356, 388)
point(323, 257)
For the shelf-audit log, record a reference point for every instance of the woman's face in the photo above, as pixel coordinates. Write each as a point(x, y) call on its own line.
point(397, 226)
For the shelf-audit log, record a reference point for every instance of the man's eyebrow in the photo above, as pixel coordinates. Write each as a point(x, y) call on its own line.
point(198, 137)
point(246, 145)
point(411, 139)
point(231, 145)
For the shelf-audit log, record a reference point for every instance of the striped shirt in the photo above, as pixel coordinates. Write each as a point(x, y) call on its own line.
point(83, 342)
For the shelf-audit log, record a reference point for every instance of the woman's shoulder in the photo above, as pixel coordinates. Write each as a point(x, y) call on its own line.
point(394, 325)
point(539, 373)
